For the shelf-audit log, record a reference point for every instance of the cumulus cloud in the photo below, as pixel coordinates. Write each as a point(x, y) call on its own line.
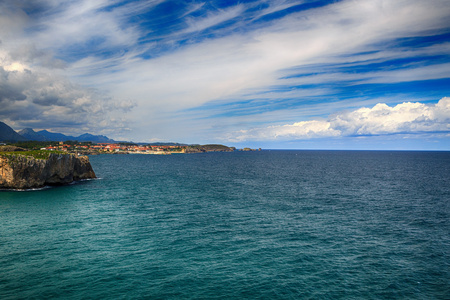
point(237, 65)
point(35, 91)
point(40, 99)
point(259, 57)
point(407, 117)
point(404, 118)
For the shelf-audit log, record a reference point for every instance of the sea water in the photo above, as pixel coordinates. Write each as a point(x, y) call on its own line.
point(256, 225)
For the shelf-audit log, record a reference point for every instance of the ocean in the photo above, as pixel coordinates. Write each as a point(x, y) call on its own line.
point(241, 225)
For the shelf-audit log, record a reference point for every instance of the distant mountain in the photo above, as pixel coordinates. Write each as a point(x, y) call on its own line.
point(7, 134)
point(51, 136)
point(32, 135)
point(87, 137)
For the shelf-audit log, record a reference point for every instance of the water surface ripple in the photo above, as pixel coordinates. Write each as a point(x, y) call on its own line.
point(259, 225)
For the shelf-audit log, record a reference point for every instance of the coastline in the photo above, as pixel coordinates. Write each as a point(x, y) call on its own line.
point(36, 169)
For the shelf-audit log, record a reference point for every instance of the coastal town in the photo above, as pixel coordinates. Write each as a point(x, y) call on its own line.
point(116, 148)
point(36, 164)
point(130, 148)
point(88, 144)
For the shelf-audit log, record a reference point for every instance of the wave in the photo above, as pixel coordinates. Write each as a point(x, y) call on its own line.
point(47, 186)
point(28, 190)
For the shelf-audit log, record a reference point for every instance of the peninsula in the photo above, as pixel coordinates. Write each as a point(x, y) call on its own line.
point(88, 144)
point(21, 169)
point(89, 148)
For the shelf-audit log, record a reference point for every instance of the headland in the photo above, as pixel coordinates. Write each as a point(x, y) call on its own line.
point(21, 169)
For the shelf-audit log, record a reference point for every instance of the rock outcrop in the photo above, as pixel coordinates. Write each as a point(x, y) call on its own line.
point(25, 172)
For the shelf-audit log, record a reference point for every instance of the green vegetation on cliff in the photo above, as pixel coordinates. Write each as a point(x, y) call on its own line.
point(216, 147)
point(209, 148)
point(37, 168)
point(39, 145)
point(37, 154)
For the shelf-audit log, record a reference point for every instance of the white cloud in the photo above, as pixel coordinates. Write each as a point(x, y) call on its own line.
point(233, 66)
point(35, 90)
point(195, 24)
point(76, 23)
point(241, 65)
point(407, 117)
point(238, 66)
point(35, 98)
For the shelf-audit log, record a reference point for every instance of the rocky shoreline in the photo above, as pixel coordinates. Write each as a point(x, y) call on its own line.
point(21, 171)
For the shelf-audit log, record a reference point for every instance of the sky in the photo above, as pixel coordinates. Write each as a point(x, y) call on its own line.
point(280, 74)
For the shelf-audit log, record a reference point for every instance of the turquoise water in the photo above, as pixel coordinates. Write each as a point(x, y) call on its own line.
point(259, 225)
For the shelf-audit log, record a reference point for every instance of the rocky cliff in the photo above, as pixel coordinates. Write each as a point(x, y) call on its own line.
point(18, 171)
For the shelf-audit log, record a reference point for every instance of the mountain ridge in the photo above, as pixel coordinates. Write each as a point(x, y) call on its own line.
point(7, 134)
point(30, 134)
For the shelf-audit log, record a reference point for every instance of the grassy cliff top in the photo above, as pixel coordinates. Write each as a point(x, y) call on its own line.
point(37, 154)
point(215, 146)
point(211, 147)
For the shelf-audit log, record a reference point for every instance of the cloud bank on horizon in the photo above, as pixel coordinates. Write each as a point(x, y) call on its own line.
point(272, 72)
point(412, 118)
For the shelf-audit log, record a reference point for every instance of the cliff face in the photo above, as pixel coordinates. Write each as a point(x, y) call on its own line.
point(24, 172)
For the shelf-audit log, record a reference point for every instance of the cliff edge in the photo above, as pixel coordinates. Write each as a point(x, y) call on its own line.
point(22, 171)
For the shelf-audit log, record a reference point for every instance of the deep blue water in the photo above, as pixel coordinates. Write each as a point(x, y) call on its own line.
point(259, 225)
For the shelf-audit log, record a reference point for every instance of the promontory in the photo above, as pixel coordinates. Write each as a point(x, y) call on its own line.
point(35, 169)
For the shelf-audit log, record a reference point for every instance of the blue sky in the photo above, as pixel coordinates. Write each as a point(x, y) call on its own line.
point(272, 74)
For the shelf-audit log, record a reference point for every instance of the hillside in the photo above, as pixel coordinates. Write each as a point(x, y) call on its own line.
point(7, 134)
point(87, 137)
point(32, 135)
point(208, 148)
point(52, 136)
